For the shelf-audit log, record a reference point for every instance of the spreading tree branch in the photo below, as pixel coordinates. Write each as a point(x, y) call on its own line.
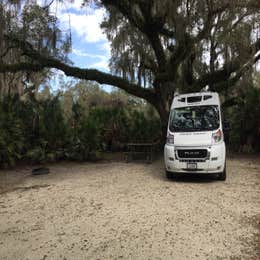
point(145, 23)
point(39, 62)
point(223, 77)
point(232, 80)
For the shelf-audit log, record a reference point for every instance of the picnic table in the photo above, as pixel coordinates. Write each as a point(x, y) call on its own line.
point(143, 151)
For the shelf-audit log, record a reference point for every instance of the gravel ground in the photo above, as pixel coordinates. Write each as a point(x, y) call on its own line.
point(114, 210)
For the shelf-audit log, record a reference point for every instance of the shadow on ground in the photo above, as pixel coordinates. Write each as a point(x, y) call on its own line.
point(195, 178)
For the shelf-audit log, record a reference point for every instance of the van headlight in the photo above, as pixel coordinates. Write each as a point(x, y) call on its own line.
point(217, 137)
point(170, 140)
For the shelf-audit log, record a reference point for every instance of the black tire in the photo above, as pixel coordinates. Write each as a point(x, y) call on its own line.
point(223, 175)
point(169, 175)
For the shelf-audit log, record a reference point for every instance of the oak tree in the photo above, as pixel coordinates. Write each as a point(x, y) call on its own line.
point(158, 47)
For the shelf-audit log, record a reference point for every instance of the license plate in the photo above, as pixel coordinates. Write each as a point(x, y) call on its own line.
point(192, 166)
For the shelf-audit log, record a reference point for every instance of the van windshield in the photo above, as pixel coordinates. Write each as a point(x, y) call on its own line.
point(194, 118)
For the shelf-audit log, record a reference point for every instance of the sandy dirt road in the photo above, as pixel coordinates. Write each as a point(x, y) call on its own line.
point(114, 210)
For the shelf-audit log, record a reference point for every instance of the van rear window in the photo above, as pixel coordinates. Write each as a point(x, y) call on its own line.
point(194, 99)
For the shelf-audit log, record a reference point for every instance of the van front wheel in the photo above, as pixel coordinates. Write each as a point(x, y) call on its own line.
point(223, 175)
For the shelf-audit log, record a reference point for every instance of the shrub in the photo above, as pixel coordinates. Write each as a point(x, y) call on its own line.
point(11, 134)
point(38, 130)
point(85, 140)
point(245, 122)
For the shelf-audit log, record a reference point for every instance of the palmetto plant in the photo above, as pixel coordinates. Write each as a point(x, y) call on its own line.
point(11, 134)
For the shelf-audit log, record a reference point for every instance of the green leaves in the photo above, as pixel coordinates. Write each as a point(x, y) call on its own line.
point(245, 121)
point(11, 135)
point(41, 130)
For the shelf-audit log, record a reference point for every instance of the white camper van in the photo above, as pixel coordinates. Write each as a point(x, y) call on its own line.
point(195, 142)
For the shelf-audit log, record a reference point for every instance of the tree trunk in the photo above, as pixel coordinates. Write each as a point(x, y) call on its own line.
point(164, 116)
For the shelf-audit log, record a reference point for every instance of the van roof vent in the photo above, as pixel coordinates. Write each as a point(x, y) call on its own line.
point(194, 99)
point(206, 97)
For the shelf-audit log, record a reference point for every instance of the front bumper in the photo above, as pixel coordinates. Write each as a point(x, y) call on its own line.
point(214, 162)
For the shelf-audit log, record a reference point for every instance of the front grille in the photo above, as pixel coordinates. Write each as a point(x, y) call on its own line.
point(192, 160)
point(192, 170)
point(192, 153)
